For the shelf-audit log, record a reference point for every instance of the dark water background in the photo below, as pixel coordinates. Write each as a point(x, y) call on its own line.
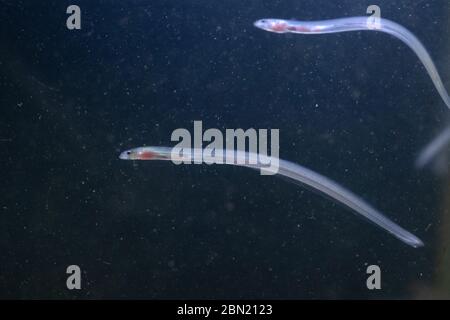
point(356, 107)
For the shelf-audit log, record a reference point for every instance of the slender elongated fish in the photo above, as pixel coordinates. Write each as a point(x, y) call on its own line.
point(358, 24)
point(287, 169)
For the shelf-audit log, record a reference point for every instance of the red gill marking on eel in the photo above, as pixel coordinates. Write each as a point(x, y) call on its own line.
point(299, 28)
point(147, 155)
point(279, 27)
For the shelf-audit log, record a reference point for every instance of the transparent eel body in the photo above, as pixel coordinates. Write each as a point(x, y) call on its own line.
point(295, 173)
point(358, 24)
point(434, 148)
